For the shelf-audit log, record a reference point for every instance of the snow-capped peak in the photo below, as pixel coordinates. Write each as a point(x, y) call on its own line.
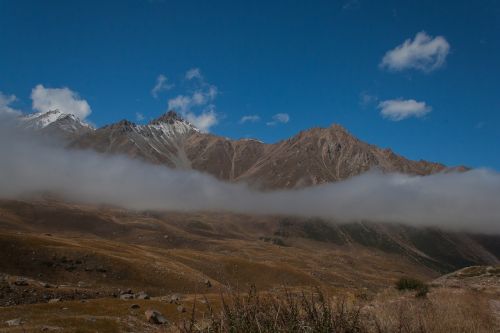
point(41, 120)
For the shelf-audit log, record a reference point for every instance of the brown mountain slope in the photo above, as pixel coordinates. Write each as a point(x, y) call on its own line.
point(315, 156)
point(160, 142)
point(322, 155)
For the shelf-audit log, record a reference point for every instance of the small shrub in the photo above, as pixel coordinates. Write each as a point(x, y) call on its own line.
point(422, 291)
point(407, 283)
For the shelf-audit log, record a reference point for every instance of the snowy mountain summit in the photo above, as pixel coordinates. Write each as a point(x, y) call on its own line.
point(56, 122)
point(41, 120)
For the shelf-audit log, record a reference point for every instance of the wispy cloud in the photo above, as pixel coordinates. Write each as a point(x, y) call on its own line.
point(139, 116)
point(5, 104)
point(366, 99)
point(351, 4)
point(193, 73)
point(250, 118)
point(424, 52)
point(198, 106)
point(162, 84)
point(62, 99)
point(399, 109)
point(479, 125)
point(279, 118)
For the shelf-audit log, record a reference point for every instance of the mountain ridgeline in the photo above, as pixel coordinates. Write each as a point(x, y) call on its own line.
point(314, 156)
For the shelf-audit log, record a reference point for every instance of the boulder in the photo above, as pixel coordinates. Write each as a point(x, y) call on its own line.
point(141, 295)
point(14, 322)
point(46, 285)
point(126, 291)
point(21, 282)
point(174, 298)
point(155, 317)
point(47, 328)
point(127, 296)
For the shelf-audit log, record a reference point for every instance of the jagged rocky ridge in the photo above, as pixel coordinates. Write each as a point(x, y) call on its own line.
point(314, 156)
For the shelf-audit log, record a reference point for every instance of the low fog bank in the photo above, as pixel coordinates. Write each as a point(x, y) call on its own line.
point(460, 201)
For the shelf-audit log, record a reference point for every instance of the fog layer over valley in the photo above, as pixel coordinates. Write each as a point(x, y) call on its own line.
point(456, 200)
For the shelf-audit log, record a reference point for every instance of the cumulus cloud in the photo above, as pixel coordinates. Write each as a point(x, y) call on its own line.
point(250, 118)
point(203, 121)
point(461, 201)
point(198, 106)
point(281, 118)
point(62, 99)
point(161, 85)
point(399, 109)
point(5, 104)
point(423, 53)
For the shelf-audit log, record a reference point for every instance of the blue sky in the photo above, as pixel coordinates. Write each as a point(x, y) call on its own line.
point(285, 65)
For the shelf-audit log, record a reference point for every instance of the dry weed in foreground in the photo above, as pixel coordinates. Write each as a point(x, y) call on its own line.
point(442, 312)
point(286, 312)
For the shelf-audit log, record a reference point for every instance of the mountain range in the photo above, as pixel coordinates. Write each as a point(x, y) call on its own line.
point(97, 259)
point(314, 156)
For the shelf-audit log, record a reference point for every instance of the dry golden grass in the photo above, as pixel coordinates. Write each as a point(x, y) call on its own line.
point(444, 310)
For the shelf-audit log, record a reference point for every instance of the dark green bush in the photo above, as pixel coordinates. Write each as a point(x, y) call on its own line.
point(407, 283)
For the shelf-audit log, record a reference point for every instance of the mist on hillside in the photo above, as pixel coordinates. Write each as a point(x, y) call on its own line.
point(459, 201)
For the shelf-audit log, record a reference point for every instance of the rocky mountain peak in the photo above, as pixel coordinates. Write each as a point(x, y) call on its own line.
point(339, 128)
point(169, 118)
point(124, 124)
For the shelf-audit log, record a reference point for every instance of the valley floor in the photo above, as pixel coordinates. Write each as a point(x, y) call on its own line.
point(67, 267)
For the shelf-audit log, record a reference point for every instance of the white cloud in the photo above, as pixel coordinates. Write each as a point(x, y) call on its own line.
point(62, 99)
point(423, 53)
point(197, 107)
point(398, 109)
point(203, 121)
point(250, 118)
point(193, 73)
point(161, 85)
point(282, 118)
point(139, 116)
point(180, 103)
point(5, 102)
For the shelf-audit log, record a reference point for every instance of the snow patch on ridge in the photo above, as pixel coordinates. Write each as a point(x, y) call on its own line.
point(41, 120)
